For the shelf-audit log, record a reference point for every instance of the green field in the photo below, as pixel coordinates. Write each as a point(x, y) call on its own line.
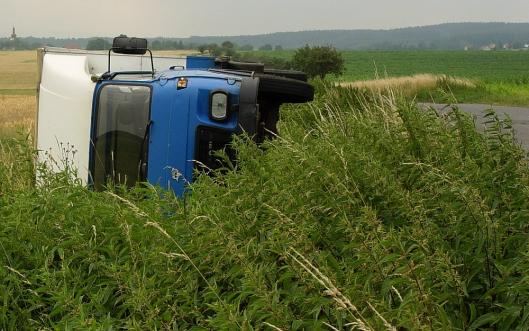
point(509, 67)
point(499, 66)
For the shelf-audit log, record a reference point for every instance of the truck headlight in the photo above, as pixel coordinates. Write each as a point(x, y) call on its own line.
point(219, 106)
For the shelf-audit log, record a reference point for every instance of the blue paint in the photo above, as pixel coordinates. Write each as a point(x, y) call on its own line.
point(200, 62)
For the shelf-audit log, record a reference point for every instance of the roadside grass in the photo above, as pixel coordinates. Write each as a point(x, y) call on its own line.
point(493, 93)
point(366, 213)
point(445, 89)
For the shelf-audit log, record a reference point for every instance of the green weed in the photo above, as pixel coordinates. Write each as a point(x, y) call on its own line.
point(366, 213)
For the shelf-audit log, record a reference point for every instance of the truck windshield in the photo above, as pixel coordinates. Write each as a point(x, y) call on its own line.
point(119, 141)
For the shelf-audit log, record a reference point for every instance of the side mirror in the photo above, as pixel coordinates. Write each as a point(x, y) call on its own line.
point(126, 45)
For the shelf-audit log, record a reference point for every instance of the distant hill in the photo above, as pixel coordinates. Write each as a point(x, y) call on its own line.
point(443, 37)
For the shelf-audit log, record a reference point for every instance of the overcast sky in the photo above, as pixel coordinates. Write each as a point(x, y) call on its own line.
point(176, 18)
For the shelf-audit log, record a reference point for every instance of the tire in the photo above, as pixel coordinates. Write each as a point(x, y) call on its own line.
point(284, 90)
point(293, 74)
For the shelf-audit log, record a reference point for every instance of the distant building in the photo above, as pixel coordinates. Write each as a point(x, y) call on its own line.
point(13, 35)
point(490, 47)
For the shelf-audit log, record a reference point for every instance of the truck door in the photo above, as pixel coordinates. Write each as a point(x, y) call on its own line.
point(170, 165)
point(120, 128)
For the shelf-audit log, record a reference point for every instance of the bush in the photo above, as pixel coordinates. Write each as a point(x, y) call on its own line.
point(318, 61)
point(367, 212)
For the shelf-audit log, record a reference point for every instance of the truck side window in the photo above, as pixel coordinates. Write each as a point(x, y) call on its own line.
point(120, 156)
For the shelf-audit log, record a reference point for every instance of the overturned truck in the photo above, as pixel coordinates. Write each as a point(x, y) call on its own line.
point(126, 116)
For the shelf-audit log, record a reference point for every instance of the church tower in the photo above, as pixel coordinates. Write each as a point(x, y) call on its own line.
point(13, 35)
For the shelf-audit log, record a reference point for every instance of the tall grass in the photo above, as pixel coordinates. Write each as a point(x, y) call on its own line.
point(367, 213)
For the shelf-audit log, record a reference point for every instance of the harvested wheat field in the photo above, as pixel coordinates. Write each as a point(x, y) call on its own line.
point(19, 72)
point(17, 114)
point(411, 85)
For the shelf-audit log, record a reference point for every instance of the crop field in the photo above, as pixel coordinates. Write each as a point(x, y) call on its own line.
point(486, 66)
point(18, 73)
point(497, 66)
point(17, 114)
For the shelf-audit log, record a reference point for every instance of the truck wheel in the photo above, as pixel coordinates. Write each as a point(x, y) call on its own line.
point(284, 90)
point(293, 74)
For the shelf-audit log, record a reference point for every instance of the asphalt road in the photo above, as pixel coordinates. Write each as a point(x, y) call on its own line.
point(518, 115)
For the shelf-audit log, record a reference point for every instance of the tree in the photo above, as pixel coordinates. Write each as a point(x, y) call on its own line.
point(97, 44)
point(278, 48)
point(228, 48)
point(227, 45)
point(318, 61)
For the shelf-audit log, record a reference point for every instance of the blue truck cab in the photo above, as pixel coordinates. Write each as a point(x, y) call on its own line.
point(158, 127)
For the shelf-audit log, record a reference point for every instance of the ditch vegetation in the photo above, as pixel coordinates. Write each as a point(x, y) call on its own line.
point(366, 213)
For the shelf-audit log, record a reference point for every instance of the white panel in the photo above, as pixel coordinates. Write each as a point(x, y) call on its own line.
point(65, 103)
